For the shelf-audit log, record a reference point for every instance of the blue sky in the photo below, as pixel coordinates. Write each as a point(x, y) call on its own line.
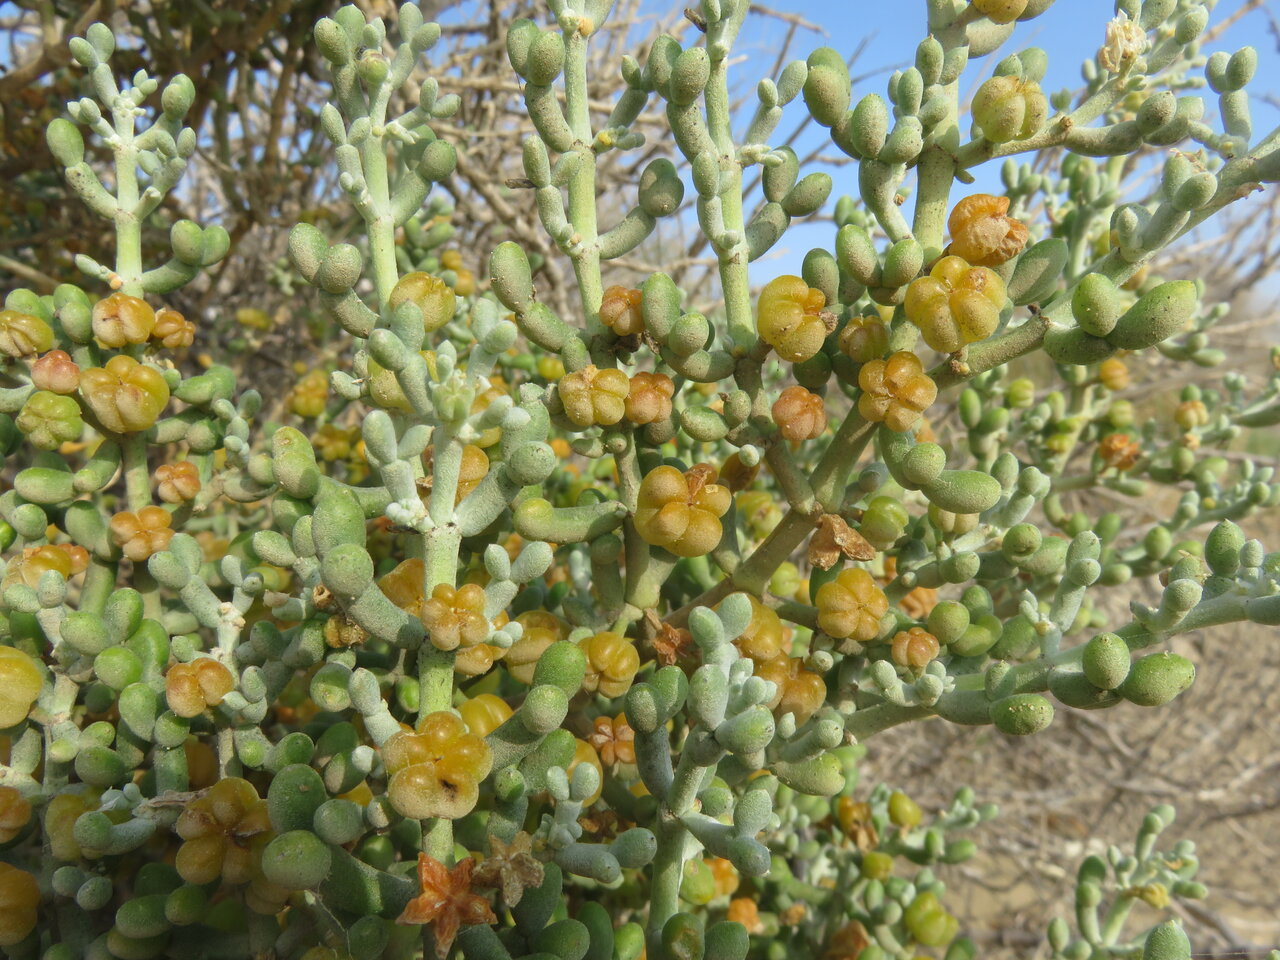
point(1070, 31)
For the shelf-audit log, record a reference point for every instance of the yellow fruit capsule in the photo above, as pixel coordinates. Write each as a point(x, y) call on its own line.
point(436, 770)
point(765, 637)
point(20, 683)
point(798, 691)
point(15, 813)
point(681, 511)
point(19, 901)
point(429, 294)
point(141, 534)
point(224, 832)
point(190, 688)
point(789, 318)
point(621, 311)
point(612, 662)
point(541, 630)
point(592, 396)
point(851, 606)
point(895, 391)
point(455, 617)
point(484, 713)
point(914, 648)
point(955, 304)
point(649, 400)
point(799, 414)
point(982, 233)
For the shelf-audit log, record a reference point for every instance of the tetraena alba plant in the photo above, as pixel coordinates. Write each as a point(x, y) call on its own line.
point(540, 636)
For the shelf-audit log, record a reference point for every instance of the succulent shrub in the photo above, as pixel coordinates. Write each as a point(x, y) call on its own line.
point(539, 634)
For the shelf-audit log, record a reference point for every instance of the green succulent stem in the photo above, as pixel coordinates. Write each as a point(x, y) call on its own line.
point(128, 226)
point(137, 480)
point(582, 185)
point(734, 277)
point(830, 478)
point(936, 170)
point(668, 863)
point(380, 226)
point(99, 584)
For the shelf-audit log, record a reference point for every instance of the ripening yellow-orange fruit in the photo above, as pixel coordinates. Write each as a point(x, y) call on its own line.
point(790, 319)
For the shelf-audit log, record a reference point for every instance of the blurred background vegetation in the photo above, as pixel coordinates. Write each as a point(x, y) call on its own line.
point(264, 165)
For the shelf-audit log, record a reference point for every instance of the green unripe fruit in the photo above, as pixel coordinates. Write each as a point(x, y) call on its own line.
point(883, 522)
point(661, 189)
point(877, 865)
point(1021, 393)
point(1009, 108)
point(297, 860)
point(927, 921)
point(698, 886)
point(903, 811)
point(1022, 714)
point(1106, 661)
point(1156, 679)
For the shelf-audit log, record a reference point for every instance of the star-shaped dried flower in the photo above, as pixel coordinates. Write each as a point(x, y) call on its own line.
point(446, 901)
point(511, 867)
point(834, 538)
point(670, 644)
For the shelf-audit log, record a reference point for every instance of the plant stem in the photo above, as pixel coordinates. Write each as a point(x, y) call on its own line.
point(734, 278)
point(582, 185)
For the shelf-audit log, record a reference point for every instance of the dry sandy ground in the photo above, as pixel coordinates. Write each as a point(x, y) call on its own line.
point(1087, 782)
